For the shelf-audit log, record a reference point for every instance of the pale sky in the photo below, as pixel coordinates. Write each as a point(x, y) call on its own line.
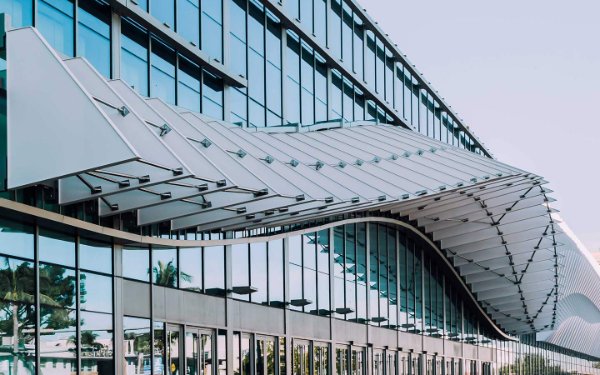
point(525, 76)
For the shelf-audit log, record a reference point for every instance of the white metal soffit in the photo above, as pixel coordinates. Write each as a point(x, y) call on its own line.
point(100, 140)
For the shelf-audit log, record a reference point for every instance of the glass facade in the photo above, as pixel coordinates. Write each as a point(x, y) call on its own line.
point(305, 62)
point(290, 78)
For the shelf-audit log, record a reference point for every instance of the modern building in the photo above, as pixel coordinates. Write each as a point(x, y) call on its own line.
point(262, 187)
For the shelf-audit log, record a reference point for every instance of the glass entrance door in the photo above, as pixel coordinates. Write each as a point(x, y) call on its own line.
point(301, 358)
point(172, 345)
point(199, 351)
point(265, 355)
point(390, 363)
point(378, 362)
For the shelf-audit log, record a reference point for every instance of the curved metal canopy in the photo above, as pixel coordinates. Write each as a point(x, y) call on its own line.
point(100, 140)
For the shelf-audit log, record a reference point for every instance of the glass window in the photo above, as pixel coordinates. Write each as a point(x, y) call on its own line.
point(350, 268)
point(57, 248)
point(306, 14)
point(273, 79)
point(164, 11)
point(359, 105)
point(338, 269)
point(60, 330)
point(57, 284)
point(212, 30)
point(188, 20)
point(95, 256)
point(348, 100)
point(335, 28)
point(374, 275)
point(164, 267)
point(320, 24)
point(239, 107)
point(347, 35)
point(134, 57)
point(361, 272)
point(336, 96)
point(191, 269)
point(17, 314)
point(237, 31)
point(293, 78)
point(214, 260)
point(212, 96)
point(380, 67)
point(136, 348)
point(163, 72)
point(93, 39)
point(369, 65)
point(136, 263)
point(309, 248)
point(256, 52)
point(55, 22)
point(307, 79)
point(188, 84)
point(240, 268)
point(95, 292)
point(16, 239)
point(276, 277)
point(96, 343)
point(293, 8)
point(20, 11)
point(399, 89)
point(295, 255)
point(320, 89)
point(389, 76)
point(358, 41)
point(221, 352)
point(258, 271)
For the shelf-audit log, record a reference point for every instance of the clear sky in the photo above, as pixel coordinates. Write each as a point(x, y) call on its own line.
point(525, 76)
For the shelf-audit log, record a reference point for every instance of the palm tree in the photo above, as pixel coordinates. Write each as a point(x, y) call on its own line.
point(166, 274)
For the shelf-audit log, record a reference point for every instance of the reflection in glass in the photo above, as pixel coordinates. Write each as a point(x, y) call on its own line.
point(258, 272)
point(212, 30)
point(136, 263)
point(159, 348)
point(136, 345)
point(95, 256)
point(55, 22)
point(172, 343)
point(93, 38)
point(16, 239)
point(212, 96)
point(214, 260)
point(96, 344)
point(341, 360)
point(188, 20)
point(57, 285)
point(95, 292)
point(57, 248)
point(188, 84)
point(240, 267)
point(17, 315)
point(164, 267)
point(276, 277)
point(191, 265)
point(21, 12)
point(221, 353)
point(58, 344)
point(164, 11)
point(134, 57)
point(162, 72)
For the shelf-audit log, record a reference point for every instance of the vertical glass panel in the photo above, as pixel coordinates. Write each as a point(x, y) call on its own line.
point(240, 268)
point(16, 239)
point(335, 28)
point(59, 327)
point(380, 67)
point(306, 14)
point(164, 11)
point(295, 256)
point(350, 271)
point(206, 353)
point(282, 353)
point(292, 8)
point(136, 263)
point(136, 348)
point(172, 343)
point(389, 76)
point(307, 78)
point(336, 96)
point(348, 100)
point(163, 72)
point(341, 361)
point(164, 267)
point(399, 89)
point(17, 316)
point(276, 279)
point(320, 89)
point(407, 95)
point(259, 357)
point(383, 275)
point(134, 57)
point(361, 272)
point(245, 355)
point(338, 268)
point(214, 269)
point(55, 22)
point(221, 353)
point(320, 23)
point(158, 348)
point(95, 256)
point(358, 41)
point(93, 39)
point(96, 342)
point(347, 35)
point(323, 272)
point(370, 59)
point(20, 11)
point(237, 40)
point(293, 78)
point(188, 84)
point(374, 275)
point(212, 96)
point(258, 271)
point(273, 78)
point(191, 269)
point(57, 284)
point(57, 248)
point(256, 53)
point(188, 20)
point(359, 105)
point(192, 353)
point(212, 30)
point(95, 292)
point(239, 107)
point(418, 289)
